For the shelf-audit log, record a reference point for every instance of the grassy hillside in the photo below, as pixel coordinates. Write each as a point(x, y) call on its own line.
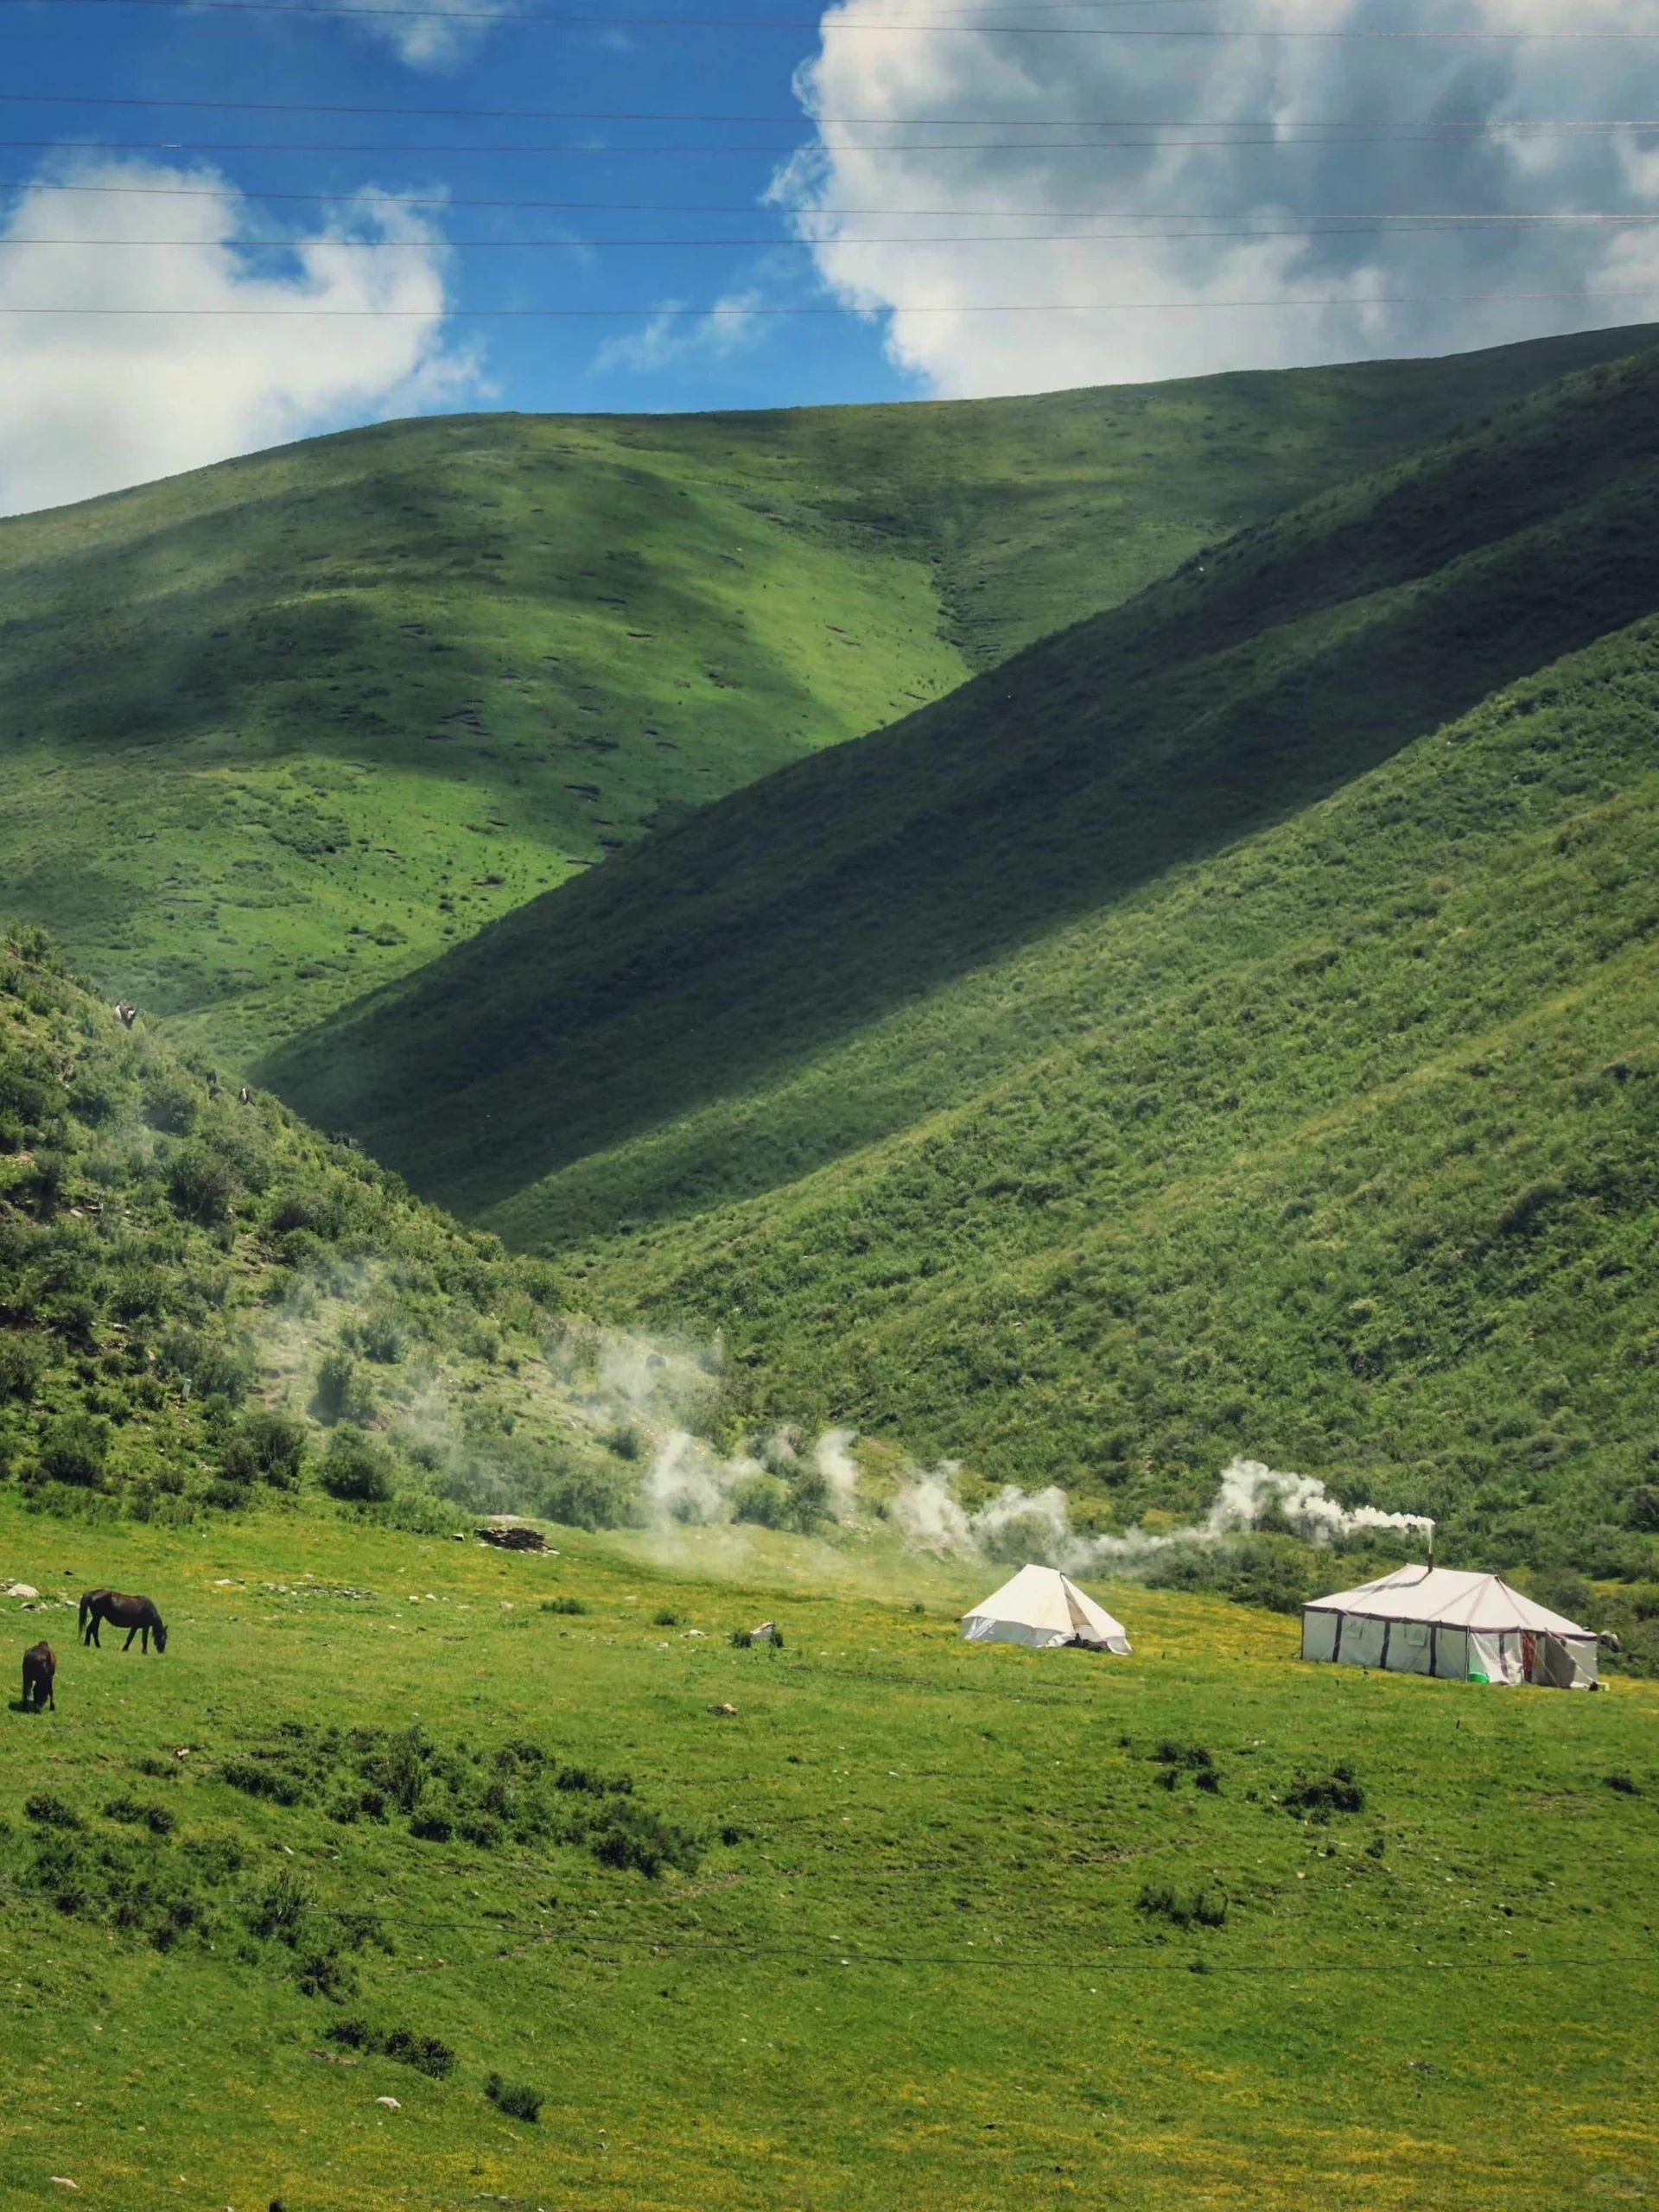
point(204, 1306)
point(1232, 1025)
point(276, 731)
point(880, 1918)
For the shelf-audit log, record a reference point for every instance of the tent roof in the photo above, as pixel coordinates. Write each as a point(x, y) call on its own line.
point(1043, 1598)
point(1445, 1594)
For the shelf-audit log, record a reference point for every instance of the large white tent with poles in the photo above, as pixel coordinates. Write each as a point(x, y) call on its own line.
point(1043, 1609)
point(1466, 1628)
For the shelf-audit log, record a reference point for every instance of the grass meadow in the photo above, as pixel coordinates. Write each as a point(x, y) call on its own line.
point(938, 1925)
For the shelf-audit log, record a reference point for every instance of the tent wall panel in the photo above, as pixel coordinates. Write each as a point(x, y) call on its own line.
point(1362, 1641)
point(1566, 1663)
point(1408, 1648)
point(1451, 1653)
point(1494, 1657)
point(1318, 1634)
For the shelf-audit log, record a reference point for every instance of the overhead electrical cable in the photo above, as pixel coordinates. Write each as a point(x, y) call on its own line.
point(496, 150)
point(639, 207)
point(722, 311)
point(573, 243)
point(1477, 124)
point(965, 25)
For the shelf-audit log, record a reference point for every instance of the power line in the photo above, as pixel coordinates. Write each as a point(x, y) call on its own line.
point(722, 312)
point(1480, 124)
point(1363, 226)
point(963, 26)
point(1320, 135)
point(645, 206)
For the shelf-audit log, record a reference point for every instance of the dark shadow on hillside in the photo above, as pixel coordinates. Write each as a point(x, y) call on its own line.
point(809, 905)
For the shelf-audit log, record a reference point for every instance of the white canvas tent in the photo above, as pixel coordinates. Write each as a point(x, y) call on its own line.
point(1042, 1608)
point(1467, 1628)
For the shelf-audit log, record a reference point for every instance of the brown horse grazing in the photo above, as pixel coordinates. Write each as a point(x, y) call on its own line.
point(39, 1667)
point(137, 1616)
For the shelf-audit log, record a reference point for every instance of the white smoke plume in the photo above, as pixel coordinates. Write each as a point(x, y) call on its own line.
point(1037, 1524)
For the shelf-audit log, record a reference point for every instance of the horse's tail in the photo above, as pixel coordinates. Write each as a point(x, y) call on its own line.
point(85, 1608)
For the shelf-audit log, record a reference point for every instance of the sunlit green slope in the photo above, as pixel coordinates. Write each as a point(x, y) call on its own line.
point(273, 732)
point(1233, 1024)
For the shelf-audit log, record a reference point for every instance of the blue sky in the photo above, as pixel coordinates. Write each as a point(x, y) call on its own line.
point(1215, 183)
point(182, 54)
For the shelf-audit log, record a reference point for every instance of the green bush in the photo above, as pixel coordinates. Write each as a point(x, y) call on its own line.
point(75, 1449)
point(514, 2098)
point(23, 1360)
point(171, 1103)
point(267, 1447)
point(1316, 1799)
point(357, 1468)
point(203, 1186)
point(342, 1394)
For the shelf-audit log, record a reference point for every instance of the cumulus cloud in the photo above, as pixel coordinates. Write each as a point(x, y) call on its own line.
point(673, 335)
point(1170, 103)
point(91, 403)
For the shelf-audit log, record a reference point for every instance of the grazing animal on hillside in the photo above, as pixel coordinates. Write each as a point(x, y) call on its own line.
point(39, 1667)
point(137, 1616)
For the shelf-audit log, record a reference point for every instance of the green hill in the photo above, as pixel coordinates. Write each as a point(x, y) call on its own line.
point(204, 1306)
point(279, 730)
point(1231, 1025)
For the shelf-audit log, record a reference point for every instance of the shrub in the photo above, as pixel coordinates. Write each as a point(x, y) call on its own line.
point(383, 1338)
point(357, 1468)
point(1338, 1792)
point(263, 1778)
point(426, 2053)
point(23, 1360)
point(563, 1605)
point(170, 1104)
point(203, 1186)
point(133, 1812)
point(75, 1449)
point(1201, 1909)
point(280, 1912)
point(51, 1811)
point(342, 1394)
point(267, 1447)
point(516, 2098)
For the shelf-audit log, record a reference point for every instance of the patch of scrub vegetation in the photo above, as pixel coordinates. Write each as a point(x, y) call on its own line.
point(359, 696)
point(516, 1793)
point(1232, 1026)
point(205, 1306)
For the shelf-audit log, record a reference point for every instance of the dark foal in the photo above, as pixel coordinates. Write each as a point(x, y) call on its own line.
point(39, 1667)
point(137, 1616)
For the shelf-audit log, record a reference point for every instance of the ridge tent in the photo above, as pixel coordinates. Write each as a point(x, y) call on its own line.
point(1042, 1609)
point(1466, 1628)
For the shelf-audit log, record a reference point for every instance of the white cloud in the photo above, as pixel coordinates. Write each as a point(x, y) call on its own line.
point(673, 334)
point(91, 403)
point(1173, 94)
point(430, 41)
